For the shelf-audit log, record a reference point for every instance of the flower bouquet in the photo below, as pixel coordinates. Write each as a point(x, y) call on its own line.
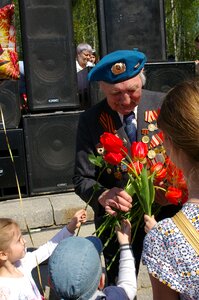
point(145, 176)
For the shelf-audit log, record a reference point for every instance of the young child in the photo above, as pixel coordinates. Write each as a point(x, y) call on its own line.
point(75, 269)
point(16, 281)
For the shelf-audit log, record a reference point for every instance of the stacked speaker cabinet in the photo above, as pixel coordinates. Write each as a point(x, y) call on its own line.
point(162, 76)
point(10, 103)
point(50, 150)
point(129, 24)
point(49, 54)
point(14, 140)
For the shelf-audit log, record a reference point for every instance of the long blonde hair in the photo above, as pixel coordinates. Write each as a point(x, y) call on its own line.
point(6, 232)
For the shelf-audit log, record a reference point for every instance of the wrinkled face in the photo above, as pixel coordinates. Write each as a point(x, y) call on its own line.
point(83, 57)
point(16, 249)
point(124, 96)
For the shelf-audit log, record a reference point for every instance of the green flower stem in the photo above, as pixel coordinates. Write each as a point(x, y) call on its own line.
point(132, 169)
point(112, 260)
point(95, 188)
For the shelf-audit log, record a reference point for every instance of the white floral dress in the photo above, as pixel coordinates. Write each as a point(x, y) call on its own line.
point(170, 258)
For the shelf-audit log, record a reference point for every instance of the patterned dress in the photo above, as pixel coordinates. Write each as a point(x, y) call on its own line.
point(170, 258)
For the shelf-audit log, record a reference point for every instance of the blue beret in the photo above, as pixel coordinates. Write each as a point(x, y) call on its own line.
point(118, 66)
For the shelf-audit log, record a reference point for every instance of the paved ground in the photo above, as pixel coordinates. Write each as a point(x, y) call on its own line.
point(45, 215)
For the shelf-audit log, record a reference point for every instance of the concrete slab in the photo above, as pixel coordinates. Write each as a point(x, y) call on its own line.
point(65, 205)
point(36, 210)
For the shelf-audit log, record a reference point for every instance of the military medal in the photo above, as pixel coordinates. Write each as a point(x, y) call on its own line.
point(118, 175)
point(151, 154)
point(145, 139)
point(152, 127)
point(160, 158)
point(109, 171)
point(145, 131)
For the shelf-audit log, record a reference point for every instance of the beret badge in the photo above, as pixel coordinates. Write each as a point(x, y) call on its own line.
point(118, 68)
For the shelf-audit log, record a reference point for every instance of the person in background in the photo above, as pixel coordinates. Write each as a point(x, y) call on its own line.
point(170, 252)
point(16, 265)
point(121, 78)
point(93, 59)
point(78, 261)
point(83, 54)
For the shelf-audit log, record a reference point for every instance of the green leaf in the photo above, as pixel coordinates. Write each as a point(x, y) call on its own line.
point(136, 185)
point(151, 189)
point(96, 160)
point(144, 192)
point(130, 189)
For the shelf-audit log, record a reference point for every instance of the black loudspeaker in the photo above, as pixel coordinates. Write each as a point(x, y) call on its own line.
point(132, 24)
point(10, 103)
point(8, 185)
point(50, 151)
point(89, 92)
point(49, 54)
point(163, 76)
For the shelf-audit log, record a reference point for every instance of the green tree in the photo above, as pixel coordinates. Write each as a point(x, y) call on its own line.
point(181, 28)
point(18, 29)
point(85, 22)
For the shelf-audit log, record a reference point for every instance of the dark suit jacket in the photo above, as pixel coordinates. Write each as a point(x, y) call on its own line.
point(89, 131)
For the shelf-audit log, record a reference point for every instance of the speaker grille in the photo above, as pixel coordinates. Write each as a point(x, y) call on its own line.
point(163, 76)
point(49, 55)
point(8, 185)
point(132, 24)
point(10, 103)
point(50, 150)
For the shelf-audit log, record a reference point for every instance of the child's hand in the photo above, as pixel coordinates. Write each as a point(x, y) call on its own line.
point(150, 222)
point(79, 217)
point(124, 232)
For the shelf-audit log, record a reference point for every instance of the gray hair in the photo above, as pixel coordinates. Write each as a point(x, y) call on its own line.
point(142, 77)
point(84, 46)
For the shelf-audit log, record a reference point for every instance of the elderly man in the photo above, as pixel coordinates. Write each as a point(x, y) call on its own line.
point(121, 78)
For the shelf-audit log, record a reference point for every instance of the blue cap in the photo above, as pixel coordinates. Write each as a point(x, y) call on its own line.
point(118, 66)
point(75, 267)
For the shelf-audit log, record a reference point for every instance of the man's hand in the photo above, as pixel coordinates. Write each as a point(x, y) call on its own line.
point(115, 199)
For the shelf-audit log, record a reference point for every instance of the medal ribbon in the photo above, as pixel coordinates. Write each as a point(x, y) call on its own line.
point(107, 122)
point(157, 139)
point(151, 115)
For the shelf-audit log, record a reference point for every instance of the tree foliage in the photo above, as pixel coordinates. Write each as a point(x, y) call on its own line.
point(182, 26)
point(85, 22)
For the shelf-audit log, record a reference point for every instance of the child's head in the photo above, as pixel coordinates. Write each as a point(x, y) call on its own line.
point(75, 267)
point(12, 244)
